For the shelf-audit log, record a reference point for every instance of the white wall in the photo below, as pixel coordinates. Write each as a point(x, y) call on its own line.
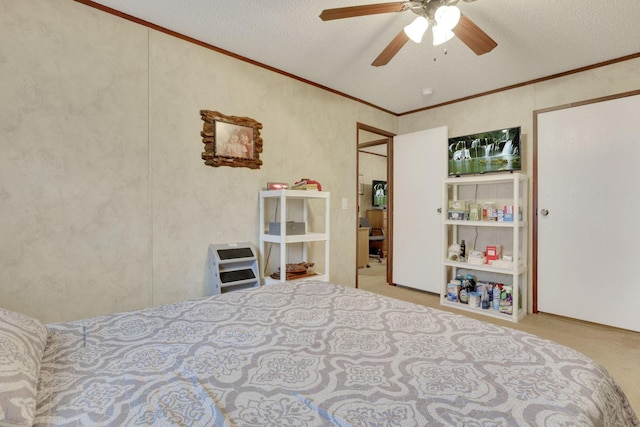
point(515, 108)
point(105, 202)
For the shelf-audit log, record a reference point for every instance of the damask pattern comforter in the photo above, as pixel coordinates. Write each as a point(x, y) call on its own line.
point(314, 354)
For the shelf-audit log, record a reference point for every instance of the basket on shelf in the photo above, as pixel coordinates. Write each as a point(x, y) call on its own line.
point(296, 271)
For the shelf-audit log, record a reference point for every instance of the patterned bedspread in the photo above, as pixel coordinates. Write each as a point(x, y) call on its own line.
point(315, 354)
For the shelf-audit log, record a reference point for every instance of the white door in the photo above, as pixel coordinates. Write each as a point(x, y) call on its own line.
point(419, 166)
point(588, 241)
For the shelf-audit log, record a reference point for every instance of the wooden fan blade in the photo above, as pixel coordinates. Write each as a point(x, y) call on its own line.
point(391, 49)
point(369, 9)
point(471, 35)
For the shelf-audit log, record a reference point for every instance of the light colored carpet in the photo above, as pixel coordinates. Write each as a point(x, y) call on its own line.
point(617, 350)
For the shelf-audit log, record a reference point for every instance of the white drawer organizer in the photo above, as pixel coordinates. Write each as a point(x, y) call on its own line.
point(502, 189)
point(232, 266)
point(280, 200)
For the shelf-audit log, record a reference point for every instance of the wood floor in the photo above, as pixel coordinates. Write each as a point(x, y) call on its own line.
point(617, 350)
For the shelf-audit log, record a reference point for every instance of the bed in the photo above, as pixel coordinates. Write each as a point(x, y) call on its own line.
point(304, 354)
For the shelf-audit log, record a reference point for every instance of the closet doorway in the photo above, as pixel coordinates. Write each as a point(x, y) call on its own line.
point(374, 169)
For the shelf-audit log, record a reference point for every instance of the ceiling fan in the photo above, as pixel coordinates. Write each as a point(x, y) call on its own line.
point(443, 15)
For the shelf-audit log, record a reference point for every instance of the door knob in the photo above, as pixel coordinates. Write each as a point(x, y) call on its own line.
point(439, 210)
point(544, 212)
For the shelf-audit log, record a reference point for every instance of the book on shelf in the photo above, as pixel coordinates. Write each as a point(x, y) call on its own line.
point(305, 187)
point(306, 184)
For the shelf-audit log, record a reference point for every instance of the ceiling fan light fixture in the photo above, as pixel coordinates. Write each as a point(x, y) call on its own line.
point(417, 28)
point(441, 35)
point(447, 17)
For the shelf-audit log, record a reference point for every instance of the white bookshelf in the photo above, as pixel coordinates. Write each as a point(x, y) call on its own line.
point(284, 201)
point(508, 189)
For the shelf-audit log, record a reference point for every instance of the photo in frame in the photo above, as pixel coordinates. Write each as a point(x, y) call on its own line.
point(230, 140)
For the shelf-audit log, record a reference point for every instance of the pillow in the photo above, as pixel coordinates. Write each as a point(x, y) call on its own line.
point(22, 342)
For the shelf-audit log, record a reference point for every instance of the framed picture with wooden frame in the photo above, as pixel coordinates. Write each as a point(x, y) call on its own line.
point(230, 140)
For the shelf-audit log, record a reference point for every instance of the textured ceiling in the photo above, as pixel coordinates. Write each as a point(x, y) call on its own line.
point(536, 39)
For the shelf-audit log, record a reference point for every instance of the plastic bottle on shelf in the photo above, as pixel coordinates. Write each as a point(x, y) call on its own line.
point(485, 301)
point(497, 290)
point(462, 251)
point(471, 283)
point(464, 293)
point(461, 294)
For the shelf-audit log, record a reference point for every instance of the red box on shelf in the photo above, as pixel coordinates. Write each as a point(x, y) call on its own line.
point(277, 186)
point(493, 252)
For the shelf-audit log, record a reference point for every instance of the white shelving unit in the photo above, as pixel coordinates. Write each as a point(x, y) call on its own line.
point(502, 189)
point(282, 199)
